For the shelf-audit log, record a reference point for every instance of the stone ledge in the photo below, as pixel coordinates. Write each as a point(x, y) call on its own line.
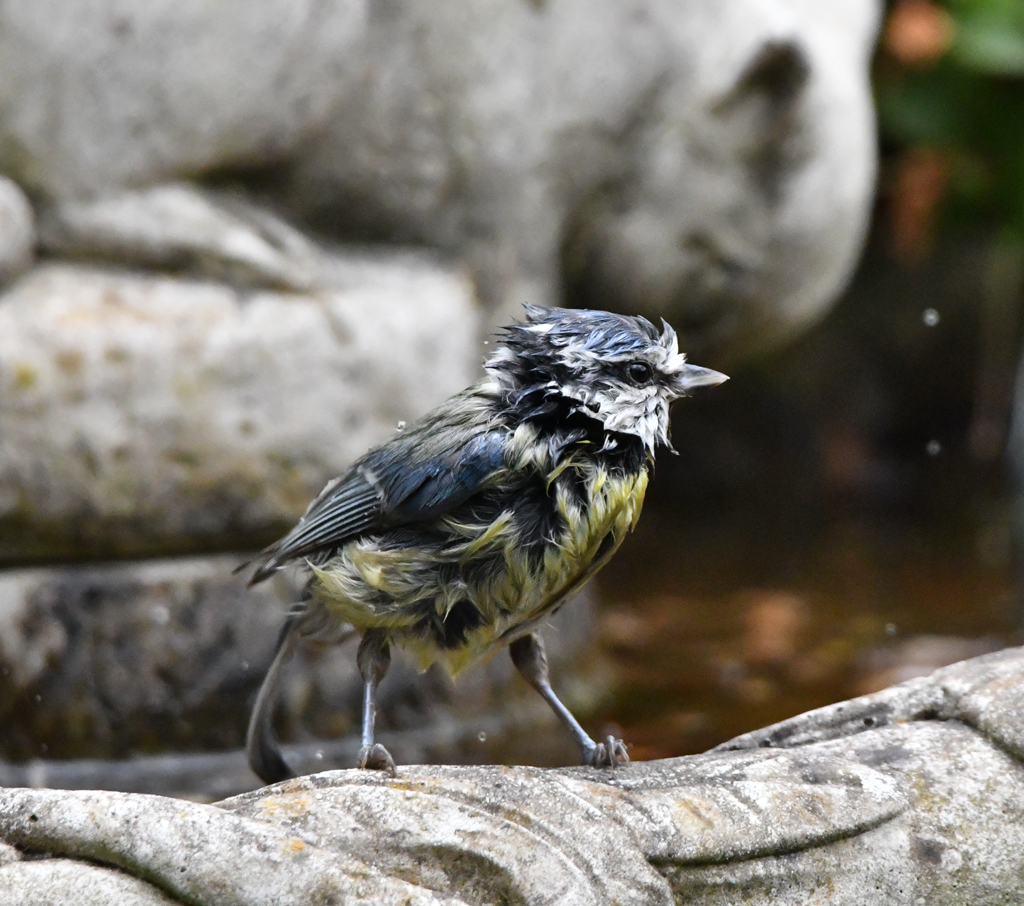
point(145, 414)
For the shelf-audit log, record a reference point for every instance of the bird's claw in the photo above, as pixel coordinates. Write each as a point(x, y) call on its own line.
point(608, 754)
point(376, 758)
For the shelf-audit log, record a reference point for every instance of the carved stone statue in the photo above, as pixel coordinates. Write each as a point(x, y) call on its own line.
point(184, 366)
point(709, 160)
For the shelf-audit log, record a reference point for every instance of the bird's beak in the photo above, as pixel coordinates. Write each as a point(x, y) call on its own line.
point(693, 376)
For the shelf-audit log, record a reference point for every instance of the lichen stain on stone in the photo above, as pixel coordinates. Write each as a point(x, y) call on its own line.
point(112, 306)
point(290, 806)
point(69, 361)
point(25, 376)
point(107, 308)
point(694, 811)
point(188, 459)
point(287, 485)
point(117, 355)
point(422, 786)
point(185, 388)
point(292, 495)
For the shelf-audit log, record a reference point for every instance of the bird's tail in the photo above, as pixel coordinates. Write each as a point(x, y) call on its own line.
point(261, 745)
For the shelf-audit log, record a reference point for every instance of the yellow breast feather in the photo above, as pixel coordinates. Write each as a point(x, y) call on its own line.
point(370, 584)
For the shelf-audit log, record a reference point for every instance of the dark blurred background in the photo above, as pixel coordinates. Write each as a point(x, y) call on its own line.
point(841, 514)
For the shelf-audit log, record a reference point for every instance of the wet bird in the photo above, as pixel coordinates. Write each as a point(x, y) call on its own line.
point(466, 530)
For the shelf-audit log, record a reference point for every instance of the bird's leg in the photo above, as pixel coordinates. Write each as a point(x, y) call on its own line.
point(531, 661)
point(373, 660)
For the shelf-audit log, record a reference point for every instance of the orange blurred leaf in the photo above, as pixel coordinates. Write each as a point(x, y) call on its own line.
point(922, 177)
point(918, 32)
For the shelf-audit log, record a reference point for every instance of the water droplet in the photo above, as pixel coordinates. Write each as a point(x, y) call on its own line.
point(482, 736)
point(890, 629)
point(933, 448)
point(930, 317)
point(244, 665)
point(319, 755)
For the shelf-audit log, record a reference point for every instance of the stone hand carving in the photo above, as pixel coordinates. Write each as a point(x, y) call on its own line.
point(178, 226)
point(17, 231)
point(908, 796)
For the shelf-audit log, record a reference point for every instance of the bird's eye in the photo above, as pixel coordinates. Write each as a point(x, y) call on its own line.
point(640, 372)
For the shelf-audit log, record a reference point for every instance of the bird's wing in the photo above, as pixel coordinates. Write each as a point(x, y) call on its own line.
point(418, 489)
point(391, 486)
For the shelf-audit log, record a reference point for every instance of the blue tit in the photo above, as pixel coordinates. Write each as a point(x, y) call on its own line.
point(466, 530)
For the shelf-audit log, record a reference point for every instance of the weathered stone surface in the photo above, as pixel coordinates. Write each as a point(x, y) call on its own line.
point(143, 414)
point(17, 231)
point(118, 93)
point(183, 869)
point(33, 884)
point(914, 806)
point(110, 661)
point(711, 161)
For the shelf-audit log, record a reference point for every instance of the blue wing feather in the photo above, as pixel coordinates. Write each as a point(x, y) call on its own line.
point(390, 486)
point(428, 489)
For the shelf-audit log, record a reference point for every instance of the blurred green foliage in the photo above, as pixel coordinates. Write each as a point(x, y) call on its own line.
point(950, 79)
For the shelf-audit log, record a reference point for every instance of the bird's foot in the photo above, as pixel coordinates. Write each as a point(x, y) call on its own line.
point(608, 754)
point(376, 758)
